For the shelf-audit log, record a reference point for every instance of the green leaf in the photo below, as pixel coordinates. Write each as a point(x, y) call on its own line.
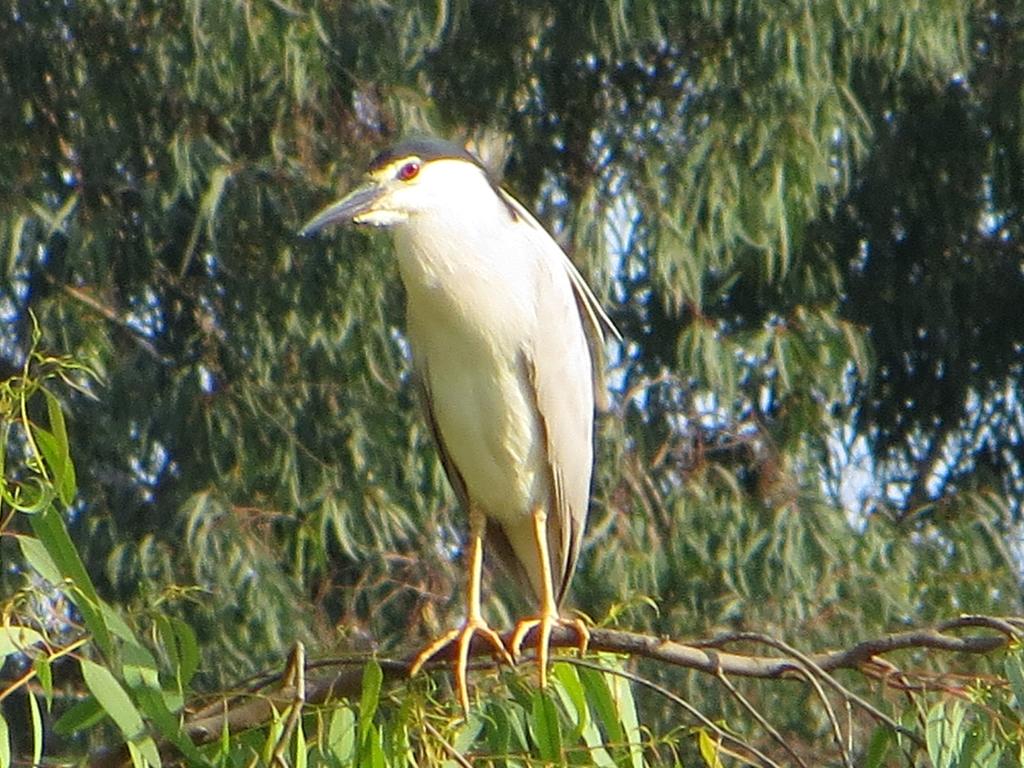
point(188, 648)
point(113, 698)
point(1014, 667)
point(119, 628)
point(626, 706)
point(44, 674)
point(169, 643)
point(546, 729)
point(499, 732)
point(144, 753)
point(5, 743)
point(273, 734)
point(341, 735)
point(979, 750)
point(467, 733)
point(181, 646)
point(139, 667)
point(154, 706)
point(377, 758)
point(373, 678)
point(35, 554)
point(709, 749)
point(612, 701)
point(15, 639)
point(574, 698)
point(81, 716)
point(37, 729)
point(878, 747)
point(944, 733)
point(63, 467)
point(50, 529)
point(301, 751)
point(600, 698)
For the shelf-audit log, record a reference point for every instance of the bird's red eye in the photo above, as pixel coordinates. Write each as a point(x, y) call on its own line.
point(408, 171)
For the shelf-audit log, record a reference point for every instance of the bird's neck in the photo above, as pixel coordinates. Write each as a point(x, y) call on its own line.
point(458, 279)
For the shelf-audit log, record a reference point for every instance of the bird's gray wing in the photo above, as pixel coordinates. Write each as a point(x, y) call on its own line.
point(595, 321)
point(565, 411)
point(562, 375)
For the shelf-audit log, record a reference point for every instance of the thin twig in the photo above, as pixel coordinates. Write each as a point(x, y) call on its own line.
point(812, 664)
point(678, 701)
point(449, 749)
point(295, 676)
point(112, 316)
point(745, 703)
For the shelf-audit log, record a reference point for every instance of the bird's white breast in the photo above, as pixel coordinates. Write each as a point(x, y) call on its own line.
point(471, 315)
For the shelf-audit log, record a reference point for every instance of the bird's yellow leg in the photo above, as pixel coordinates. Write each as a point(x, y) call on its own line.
point(474, 624)
point(548, 617)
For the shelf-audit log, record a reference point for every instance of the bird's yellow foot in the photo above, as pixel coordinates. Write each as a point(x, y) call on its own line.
point(544, 624)
point(462, 637)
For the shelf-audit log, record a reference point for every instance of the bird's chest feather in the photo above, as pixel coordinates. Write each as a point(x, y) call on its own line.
point(464, 282)
point(469, 328)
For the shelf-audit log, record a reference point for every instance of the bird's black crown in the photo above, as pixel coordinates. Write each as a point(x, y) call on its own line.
point(426, 148)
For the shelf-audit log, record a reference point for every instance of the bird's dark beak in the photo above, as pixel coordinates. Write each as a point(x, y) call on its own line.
point(359, 201)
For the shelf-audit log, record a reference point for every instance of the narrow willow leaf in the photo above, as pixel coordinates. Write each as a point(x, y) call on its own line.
point(574, 699)
point(113, 698)
point(149, 750)
point(44, 674)
point(373, 677)
point(498, 733)
point(50, 529)
point(81, 716)
point(600, 698)
point(341, 735)
point(878, 747)
point(546, 729)
point(60, 462)
point(17, 640)
point(301, 751)
point(1014, 667)
point(979, 750)
point(377, 758)
point(468, 733)
point(37, 729)
point(188, 649)
point(943, 734)
point(14, 246)
point(5, 743)
point(212, 197)
point(139, 666)
point(138, 761)
point(155, 707)
point(369, 736)
point(169, 643)
point(35, 554)
point(626, 708)
point(709, 749)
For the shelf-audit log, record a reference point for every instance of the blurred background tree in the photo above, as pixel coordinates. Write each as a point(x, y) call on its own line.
point(806, 219)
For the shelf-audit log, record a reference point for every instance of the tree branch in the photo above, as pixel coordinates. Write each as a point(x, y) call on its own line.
point(331, 679)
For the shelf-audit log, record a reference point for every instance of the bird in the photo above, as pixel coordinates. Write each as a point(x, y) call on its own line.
point(507, 346)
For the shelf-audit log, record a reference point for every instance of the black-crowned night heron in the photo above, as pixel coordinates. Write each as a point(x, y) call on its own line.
point(506, 341)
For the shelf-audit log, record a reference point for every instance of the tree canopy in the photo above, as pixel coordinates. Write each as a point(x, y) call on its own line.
point(807, 220)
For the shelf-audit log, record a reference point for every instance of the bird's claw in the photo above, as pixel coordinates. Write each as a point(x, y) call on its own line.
point(544, 624)
point(463, 638)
